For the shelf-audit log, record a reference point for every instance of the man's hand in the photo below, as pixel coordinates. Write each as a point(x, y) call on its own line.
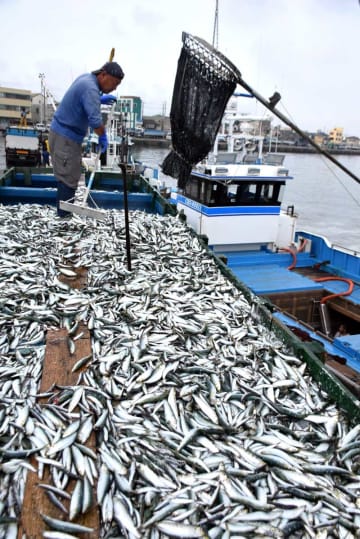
point(103, 142)
point(108, 99)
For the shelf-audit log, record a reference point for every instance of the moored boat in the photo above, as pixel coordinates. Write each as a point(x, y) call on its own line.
point(120, 144)
point(234, 198)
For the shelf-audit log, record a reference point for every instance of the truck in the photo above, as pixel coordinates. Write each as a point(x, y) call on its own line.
point(22, 147)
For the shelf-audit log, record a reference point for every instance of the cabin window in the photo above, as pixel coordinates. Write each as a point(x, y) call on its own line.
point(206, 192)
point(192, 188)
point(257, 194)
point(246, 193)
point(215, 193)
point(253, 171)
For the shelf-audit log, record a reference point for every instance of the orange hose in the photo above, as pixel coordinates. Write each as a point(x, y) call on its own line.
point(293, 251)
point(344, 279)
point(302, 246)
point(293, 254)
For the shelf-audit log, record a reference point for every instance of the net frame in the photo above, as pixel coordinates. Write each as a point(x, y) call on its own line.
point(204, 82)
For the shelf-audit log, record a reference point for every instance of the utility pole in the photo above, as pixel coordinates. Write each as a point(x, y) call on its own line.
point(215, 39)
point(163, 114)
point(43, 94)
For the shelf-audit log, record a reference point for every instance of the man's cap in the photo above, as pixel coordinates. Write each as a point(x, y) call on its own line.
point(111, 68)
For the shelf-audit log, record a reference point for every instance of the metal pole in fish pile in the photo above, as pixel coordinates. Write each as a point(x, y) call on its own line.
point(126, 210)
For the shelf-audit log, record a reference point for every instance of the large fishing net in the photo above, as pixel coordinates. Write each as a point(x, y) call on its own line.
point(204, 82)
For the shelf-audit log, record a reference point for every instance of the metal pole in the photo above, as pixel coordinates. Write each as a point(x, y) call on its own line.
point(126, 210)
point(215, 39)
point(42, 105)
point(283, 118)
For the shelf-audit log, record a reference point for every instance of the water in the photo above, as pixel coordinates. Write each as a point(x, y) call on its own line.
point(326, 199)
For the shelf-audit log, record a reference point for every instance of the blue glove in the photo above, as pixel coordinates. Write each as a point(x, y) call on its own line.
point(103, 142)
point(107, 99)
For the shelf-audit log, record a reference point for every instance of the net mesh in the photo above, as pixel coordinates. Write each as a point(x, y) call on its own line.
point(204, 82)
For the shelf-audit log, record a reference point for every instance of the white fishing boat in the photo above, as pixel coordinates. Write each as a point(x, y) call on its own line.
point(119, 146)
point(234, 195)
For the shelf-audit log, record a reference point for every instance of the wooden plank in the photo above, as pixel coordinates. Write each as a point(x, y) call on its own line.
point(77, 282)
point(298, 304)
point(58, 361)
point(57, 369)
point(346, 308)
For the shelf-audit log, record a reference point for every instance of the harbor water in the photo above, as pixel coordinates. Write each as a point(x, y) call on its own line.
point(326, 199)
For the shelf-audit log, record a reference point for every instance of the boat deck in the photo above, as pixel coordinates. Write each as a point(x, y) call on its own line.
point(270, 279)
point(297, 294)
point(267, 273)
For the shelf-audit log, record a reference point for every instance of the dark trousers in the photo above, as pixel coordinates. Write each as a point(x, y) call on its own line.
point(46, 158)
point(64, 193)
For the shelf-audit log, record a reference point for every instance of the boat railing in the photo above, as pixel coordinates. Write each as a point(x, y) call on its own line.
point(6, 175)
point(345, 250)
point(329, 245)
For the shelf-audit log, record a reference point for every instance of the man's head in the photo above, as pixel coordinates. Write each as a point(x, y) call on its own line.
point(109, 76)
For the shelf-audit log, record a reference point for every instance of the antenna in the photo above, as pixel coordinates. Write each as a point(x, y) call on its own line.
point(215, 39)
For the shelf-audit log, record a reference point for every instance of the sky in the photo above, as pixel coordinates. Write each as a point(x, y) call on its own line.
point(307, 50)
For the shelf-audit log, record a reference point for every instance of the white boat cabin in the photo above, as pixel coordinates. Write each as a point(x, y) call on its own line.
point(238, 206)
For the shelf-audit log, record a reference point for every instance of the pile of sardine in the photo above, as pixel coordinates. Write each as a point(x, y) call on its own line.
point(206, 424)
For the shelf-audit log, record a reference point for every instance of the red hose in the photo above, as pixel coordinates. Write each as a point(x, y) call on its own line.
point(293, 254)
point(293, 251)
point(302, 245)
point(331, 296)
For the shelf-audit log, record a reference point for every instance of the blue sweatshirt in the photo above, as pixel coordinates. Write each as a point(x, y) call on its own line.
point(79, 109)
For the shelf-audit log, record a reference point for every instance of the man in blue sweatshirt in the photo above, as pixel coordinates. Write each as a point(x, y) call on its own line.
point(79, 110)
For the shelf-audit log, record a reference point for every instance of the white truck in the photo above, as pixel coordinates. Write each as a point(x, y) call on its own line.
point(22, 147)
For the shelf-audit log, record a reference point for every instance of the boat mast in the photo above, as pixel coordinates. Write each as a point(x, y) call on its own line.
point(215, 39)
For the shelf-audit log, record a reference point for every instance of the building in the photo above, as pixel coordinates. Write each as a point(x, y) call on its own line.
point(12, 103)
point(131, 108)
point(352, 142)
point(157, 122)
point(320, 138)
point(41, 110)
point(336, 135)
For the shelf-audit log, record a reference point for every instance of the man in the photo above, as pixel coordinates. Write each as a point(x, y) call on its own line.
point(45, 153)
point(79, 110)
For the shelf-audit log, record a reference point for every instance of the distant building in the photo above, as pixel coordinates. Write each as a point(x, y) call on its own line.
point(336, 135)
point(15, 102)
point(320, 138)
point(12, 103)
point(157, 122)
point(131, 108)
point(354, 142)
point(41, 110)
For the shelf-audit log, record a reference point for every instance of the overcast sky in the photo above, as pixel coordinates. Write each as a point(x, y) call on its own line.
point(308, 50)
